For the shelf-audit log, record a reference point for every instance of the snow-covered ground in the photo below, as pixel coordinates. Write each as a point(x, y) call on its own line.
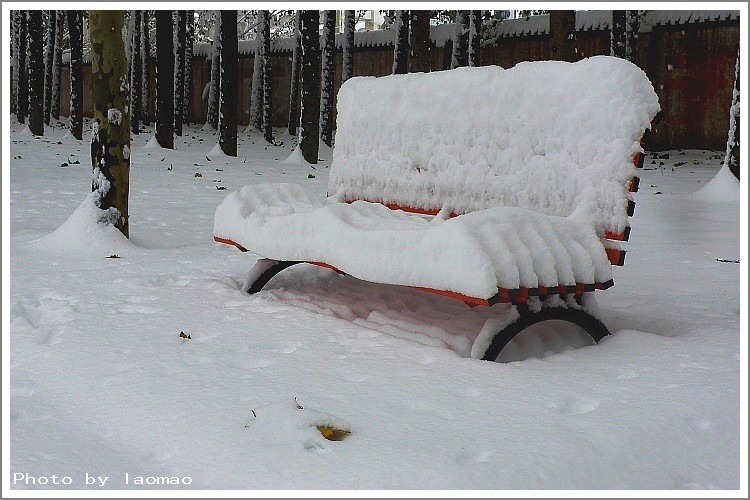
point(102, 383)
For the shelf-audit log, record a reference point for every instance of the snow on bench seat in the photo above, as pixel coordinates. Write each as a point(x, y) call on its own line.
point(473, 255)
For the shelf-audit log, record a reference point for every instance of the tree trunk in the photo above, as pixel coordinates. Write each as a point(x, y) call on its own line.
point(110, 141)
point(475, 37)
point(49, 59)
point(136, 67)
point(632, 23)
point(146, 69)
point(14, 62)
point(617, 34)
point(732, 159)
point(75, 33)
point(179, 70)
point(419, 41)
point(460, 56)
point(23, 71)
point(401, 44)
point(57, 65)
point(310, 86)
point(347, 70)
point(36, 73)
point(562, 24)
point(265, 19)
point(327, 63)
point(212, 116)
point(189, 41)
point(228, 118)
point(296, 62)
point(164, 80)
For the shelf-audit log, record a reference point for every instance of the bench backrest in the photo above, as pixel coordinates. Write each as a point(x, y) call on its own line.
point(549, 136)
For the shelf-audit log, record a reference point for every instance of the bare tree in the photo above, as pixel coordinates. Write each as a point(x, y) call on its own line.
point(110, 141)
point(562, 24)
point(146, 69)
point(265, 57)
point(327, 64)
point(419, 41)
point(36, 72)
point(179, 69)
point(164, 80)
point(228, 117)
point(401, 45)
point(189, 41)
point(347, 70)
point(212, 116)
point(732, 158)
point(460, 54)
point(57, 65)
point(310, 85)
point(49, 58)
point(14, 62)
point(136, 68)
point(75, 34)
point(475, 37)
point(22, 95)
point(617, 36)
point(294, 91)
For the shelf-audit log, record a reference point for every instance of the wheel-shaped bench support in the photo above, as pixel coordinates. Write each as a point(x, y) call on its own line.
point(595, 328)
point(266, 269)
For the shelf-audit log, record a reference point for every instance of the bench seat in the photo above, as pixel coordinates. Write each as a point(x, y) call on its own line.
point(485, 256)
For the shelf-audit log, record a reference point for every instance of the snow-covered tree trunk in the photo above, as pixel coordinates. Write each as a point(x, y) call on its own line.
point(23, 70)
point(617, 34)
point(256, 91)
point(419, 41)
point(179, 69)
point(49, 58)
point(632, 24)
point(228, 86)
point(164, 87)
point(136, 67)
point(309, 128)
point(146, 68)
point(265, 41)
point(36, 72)
point(110, 132)
point(57, 65)
point(14, 62)
point(75, 34)
point(294, 91)
point(401, 44)
point(347, 69)
point(732, 158)
point(212, 116)
point(189, 41)
point(327, 63)
point(460, 54)
point(475, 37)
point(562, 24)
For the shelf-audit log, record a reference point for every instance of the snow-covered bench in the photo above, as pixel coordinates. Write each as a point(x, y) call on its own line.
point(482, 184)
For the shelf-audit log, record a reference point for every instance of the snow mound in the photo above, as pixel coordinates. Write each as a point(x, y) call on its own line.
point(542, 135)
point(152, 143)
point(25, 133)
point(69, 138)
point(724, 187)
point(504, 247)
point(292, 426)
point(84, 234)
point(216, 152)
point(296, 158)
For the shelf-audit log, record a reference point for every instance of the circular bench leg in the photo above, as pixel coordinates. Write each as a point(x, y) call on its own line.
point(261, 274)
point(595, 328)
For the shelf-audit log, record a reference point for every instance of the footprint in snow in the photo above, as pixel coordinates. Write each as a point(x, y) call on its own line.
point(470, 457)
point(577, 405)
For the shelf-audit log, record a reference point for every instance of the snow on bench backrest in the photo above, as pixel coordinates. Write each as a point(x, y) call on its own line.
point(549, 136)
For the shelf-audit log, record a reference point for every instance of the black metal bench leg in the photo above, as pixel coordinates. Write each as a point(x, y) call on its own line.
point(595, 328)
point(272, 269)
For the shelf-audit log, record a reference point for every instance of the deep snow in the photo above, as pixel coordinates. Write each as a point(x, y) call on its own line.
point(102, 383)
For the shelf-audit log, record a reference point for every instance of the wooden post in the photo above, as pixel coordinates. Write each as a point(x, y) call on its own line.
point(420, 45)
point(164, 80)
point(228, 118)
point(562, 25)
point(110, 132)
